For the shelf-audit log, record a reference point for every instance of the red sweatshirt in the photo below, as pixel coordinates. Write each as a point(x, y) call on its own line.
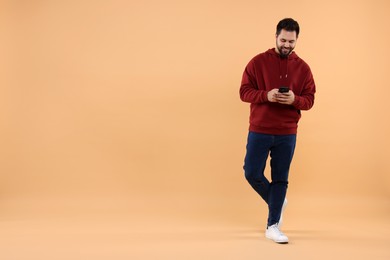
point(267, 71)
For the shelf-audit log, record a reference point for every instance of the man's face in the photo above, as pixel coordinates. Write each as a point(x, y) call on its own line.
point(285, 42)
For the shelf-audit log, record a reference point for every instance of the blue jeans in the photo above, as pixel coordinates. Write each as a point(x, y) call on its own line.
point(281, 150)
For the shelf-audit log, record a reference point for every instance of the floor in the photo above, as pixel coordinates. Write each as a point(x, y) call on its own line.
point(168, 228)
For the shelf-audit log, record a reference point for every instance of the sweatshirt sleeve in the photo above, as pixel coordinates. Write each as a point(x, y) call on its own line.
point(249, 91)
point(305, 100)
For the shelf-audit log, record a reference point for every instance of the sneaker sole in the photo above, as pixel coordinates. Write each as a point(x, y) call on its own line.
point(277, 241)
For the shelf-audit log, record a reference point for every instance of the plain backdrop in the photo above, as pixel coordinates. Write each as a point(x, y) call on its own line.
point(133, 106)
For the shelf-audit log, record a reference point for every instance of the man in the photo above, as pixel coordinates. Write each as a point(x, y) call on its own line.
point(278, 84)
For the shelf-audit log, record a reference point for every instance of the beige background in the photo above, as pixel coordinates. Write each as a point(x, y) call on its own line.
point(122, 135)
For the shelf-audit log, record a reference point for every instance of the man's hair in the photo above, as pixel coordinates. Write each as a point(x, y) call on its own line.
point(288, 24)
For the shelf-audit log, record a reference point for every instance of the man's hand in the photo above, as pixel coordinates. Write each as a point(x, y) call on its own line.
point(271, 95)
point(285, 98)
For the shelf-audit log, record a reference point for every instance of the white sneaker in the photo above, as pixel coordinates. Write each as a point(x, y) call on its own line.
point(281, 214)
point(274, 233)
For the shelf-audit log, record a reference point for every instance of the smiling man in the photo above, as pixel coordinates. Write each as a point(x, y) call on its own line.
point(278, 85)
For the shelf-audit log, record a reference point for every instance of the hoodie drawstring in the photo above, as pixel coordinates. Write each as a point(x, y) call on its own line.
point(280, 69)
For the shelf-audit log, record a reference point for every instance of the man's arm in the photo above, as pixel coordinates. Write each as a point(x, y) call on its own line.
point(305, 101)
point(249, 91)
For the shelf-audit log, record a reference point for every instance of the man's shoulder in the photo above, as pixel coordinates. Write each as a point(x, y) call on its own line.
point(262, 56)
point(299, 60)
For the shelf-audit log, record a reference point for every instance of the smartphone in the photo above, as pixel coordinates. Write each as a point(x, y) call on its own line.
point(284, 89)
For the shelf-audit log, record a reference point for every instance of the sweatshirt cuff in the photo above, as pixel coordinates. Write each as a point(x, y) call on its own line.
point(296, 101)
point(264, 96)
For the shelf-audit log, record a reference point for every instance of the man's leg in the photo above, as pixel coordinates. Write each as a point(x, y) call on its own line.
point(257, 150)
point(281, 156)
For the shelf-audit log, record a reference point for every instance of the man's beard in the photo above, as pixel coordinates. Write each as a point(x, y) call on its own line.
point(282, 52)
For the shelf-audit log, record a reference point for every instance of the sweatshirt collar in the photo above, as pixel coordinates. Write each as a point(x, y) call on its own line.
point(292, 55)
